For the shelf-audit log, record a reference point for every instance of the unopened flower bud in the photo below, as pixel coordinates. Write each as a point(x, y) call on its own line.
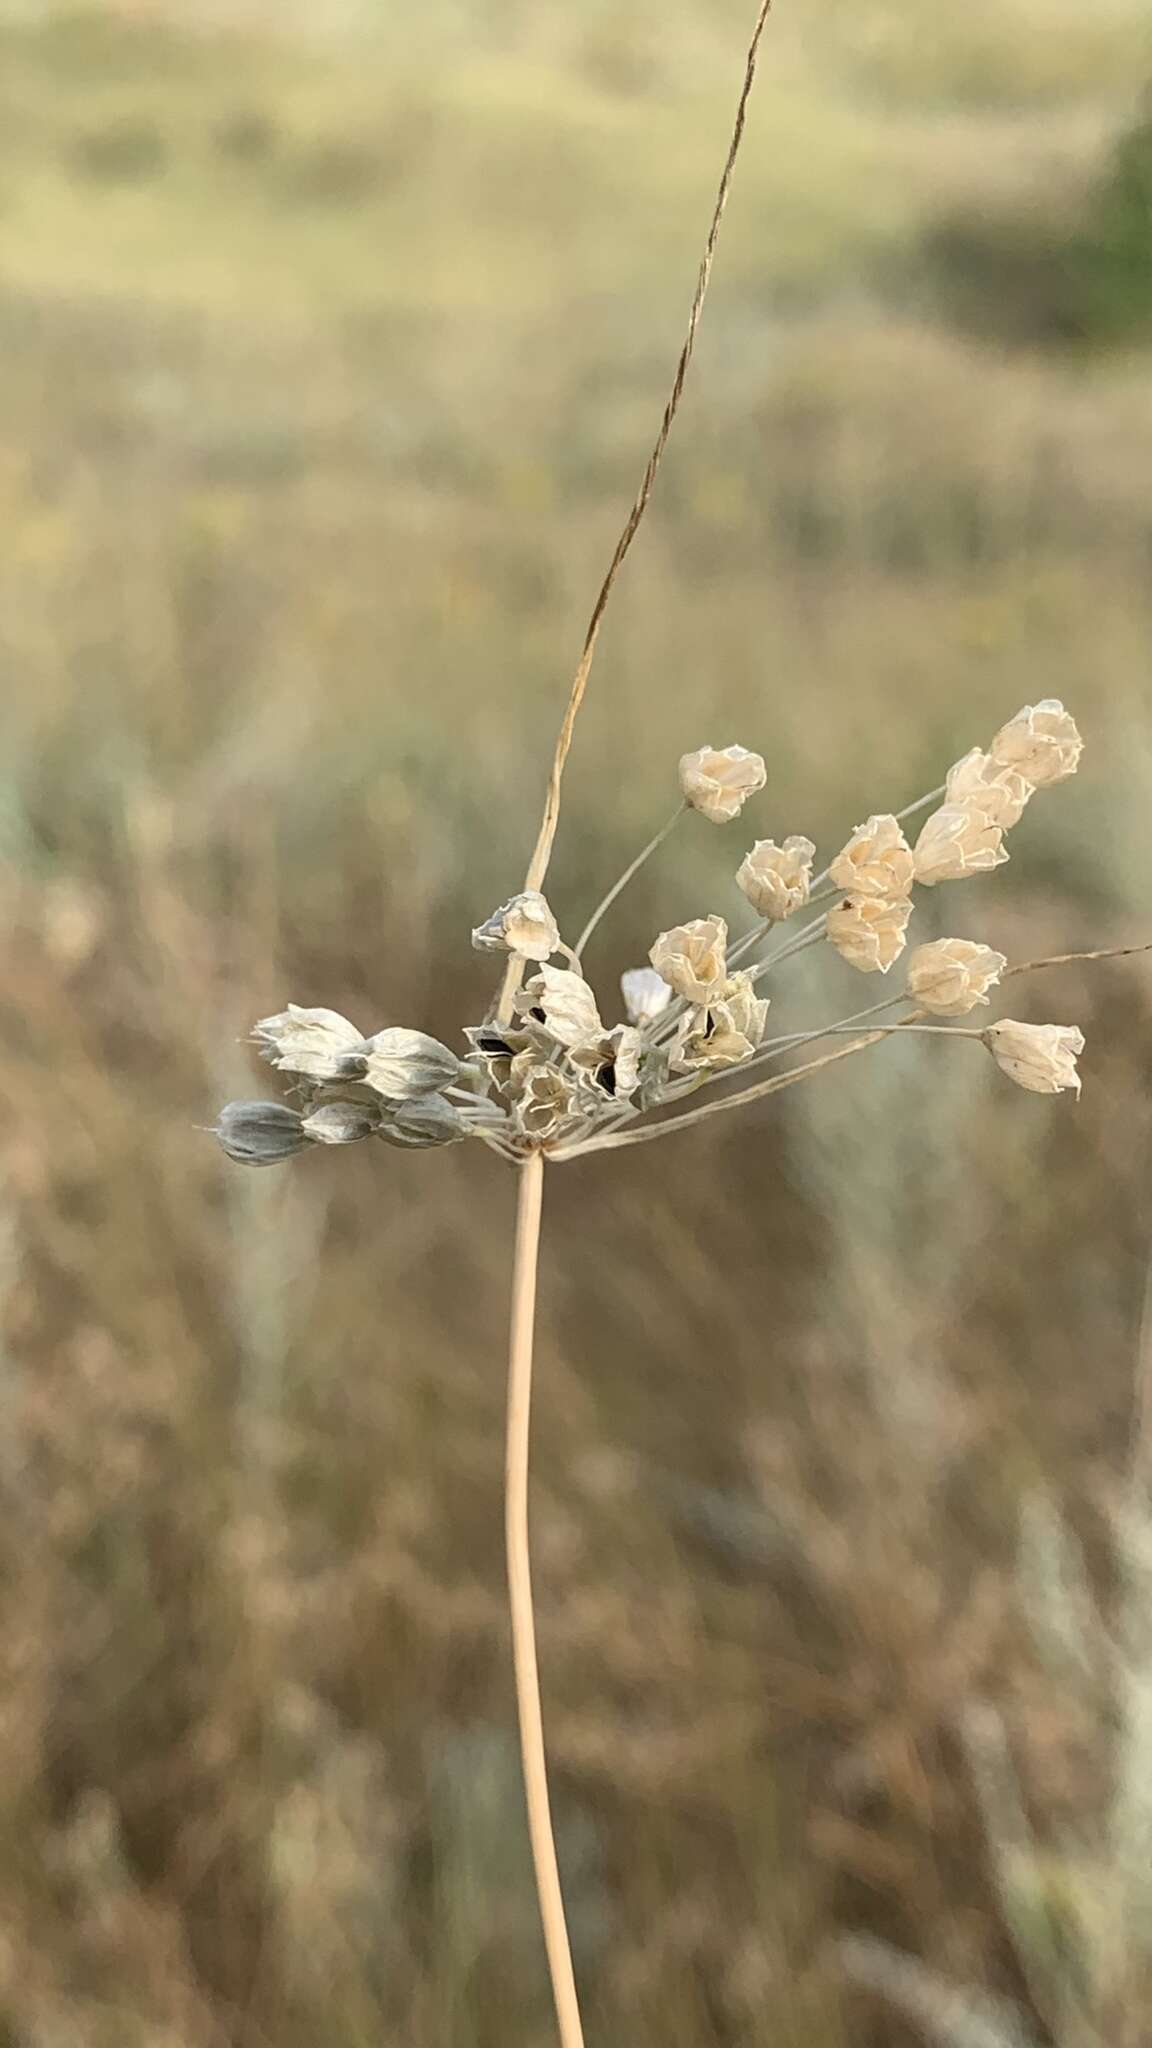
point(717, 781)
point(260, 1133)
point(646, 995)
point(958, 840)
point(951, 976)
point(562, 1001)
point(869, 933)
point(691, 957)
point(976, 780)
point(877, 860)
point(341, 1122)
point(319, 1044)
point(524, 926)
point(1041, 1057)
point(424, 1121)
point(1041, 743)
point(403, 1064)
point(777, 879)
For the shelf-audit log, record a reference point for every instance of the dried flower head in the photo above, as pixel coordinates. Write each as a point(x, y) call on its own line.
point(260, 1133)
point(717, 781)
point(1041, 743)
point(1041, 1057)
point(877, 861)
point(949, 977)
point(524, 926)
point(320, 1045)
point(692, 958)
point(563, 1003)
point(403, 1064)
point(777, 879)
point(723, 1033)
point(868, 932)
point(646, 994)
point(958, 840)
point(978, 781)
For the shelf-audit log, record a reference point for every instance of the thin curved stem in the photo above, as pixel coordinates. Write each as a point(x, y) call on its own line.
point(532, 1753)
point(619, 887)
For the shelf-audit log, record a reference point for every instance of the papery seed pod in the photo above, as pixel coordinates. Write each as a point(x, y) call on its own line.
point(723, 1034)
point(321, 1045)
point(976, 780)
point(717, 781)
point(958, 840)
point(424, 1121)
point(609, 1065)
point(403, 1064)
point(563, 1002)
point(339, 1122)
point(524, 926)
point(949, 977)
point(1041, 743)
point(1041, 1057)
point(646, 995)
point(877, 861)
point(260, 1133)
point(545, 1100)
point(777, 880)
point(496, 1046)
point(869, 933)
point(692, 958)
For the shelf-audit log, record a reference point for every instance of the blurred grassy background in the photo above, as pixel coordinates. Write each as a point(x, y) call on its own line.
point(334, 341)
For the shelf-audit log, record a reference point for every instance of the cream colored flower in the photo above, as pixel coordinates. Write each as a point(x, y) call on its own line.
point(979, 782)
point(610, 1064)
point(563, 1002)
point(722, 1033)
point(958, 840)
point(869, 933)
point(951, 976)
point(260, 1133)
point(403, 1064)
point(1037, 1056)
point(425, 1121)
point(691, 958)
point(496, 1046)
point(646, 995)
point(877, 860)
point(524, 926)
point(717, 781)
point(321, 1045)
point(1041, 743)
point(777, 879)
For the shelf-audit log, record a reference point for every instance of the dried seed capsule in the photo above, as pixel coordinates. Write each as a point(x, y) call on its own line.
point(260, 1133)
point(951, 976)
point(524, 925)
point(403, 1064)
point(319, 1044)
point(1041, 1057)
point(869, 933)
point(717, 781)
point(777, 879)
point(1041, 743)
point(692, 958)
point(877, 861)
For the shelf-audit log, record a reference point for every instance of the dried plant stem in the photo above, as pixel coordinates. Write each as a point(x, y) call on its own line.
point(633, 868)
point(520, 1595)
point(542, 852)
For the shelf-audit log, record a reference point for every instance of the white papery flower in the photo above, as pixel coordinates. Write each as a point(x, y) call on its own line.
point(524, 926)
point(949, 977)
point(717, 781)
point(979, 782)
point(403, 1064)
point(692, 958)
point(869, 933)
point(646, 994)
point(777, 879)
point(319, 1045)
point(564, 1003)
point(877, 861)
point(958, 840)
point(1041, 1057)
point(1041, 743)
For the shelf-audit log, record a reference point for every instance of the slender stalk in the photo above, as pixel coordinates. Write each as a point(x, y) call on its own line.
point(619, 887)
point(532, 1751)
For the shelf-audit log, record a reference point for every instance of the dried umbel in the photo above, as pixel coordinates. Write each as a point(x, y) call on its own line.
point(549, 1071)
point(717, 781)
point(777, 880)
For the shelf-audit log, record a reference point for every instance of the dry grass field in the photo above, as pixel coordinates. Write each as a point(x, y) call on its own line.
point(333, 342)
